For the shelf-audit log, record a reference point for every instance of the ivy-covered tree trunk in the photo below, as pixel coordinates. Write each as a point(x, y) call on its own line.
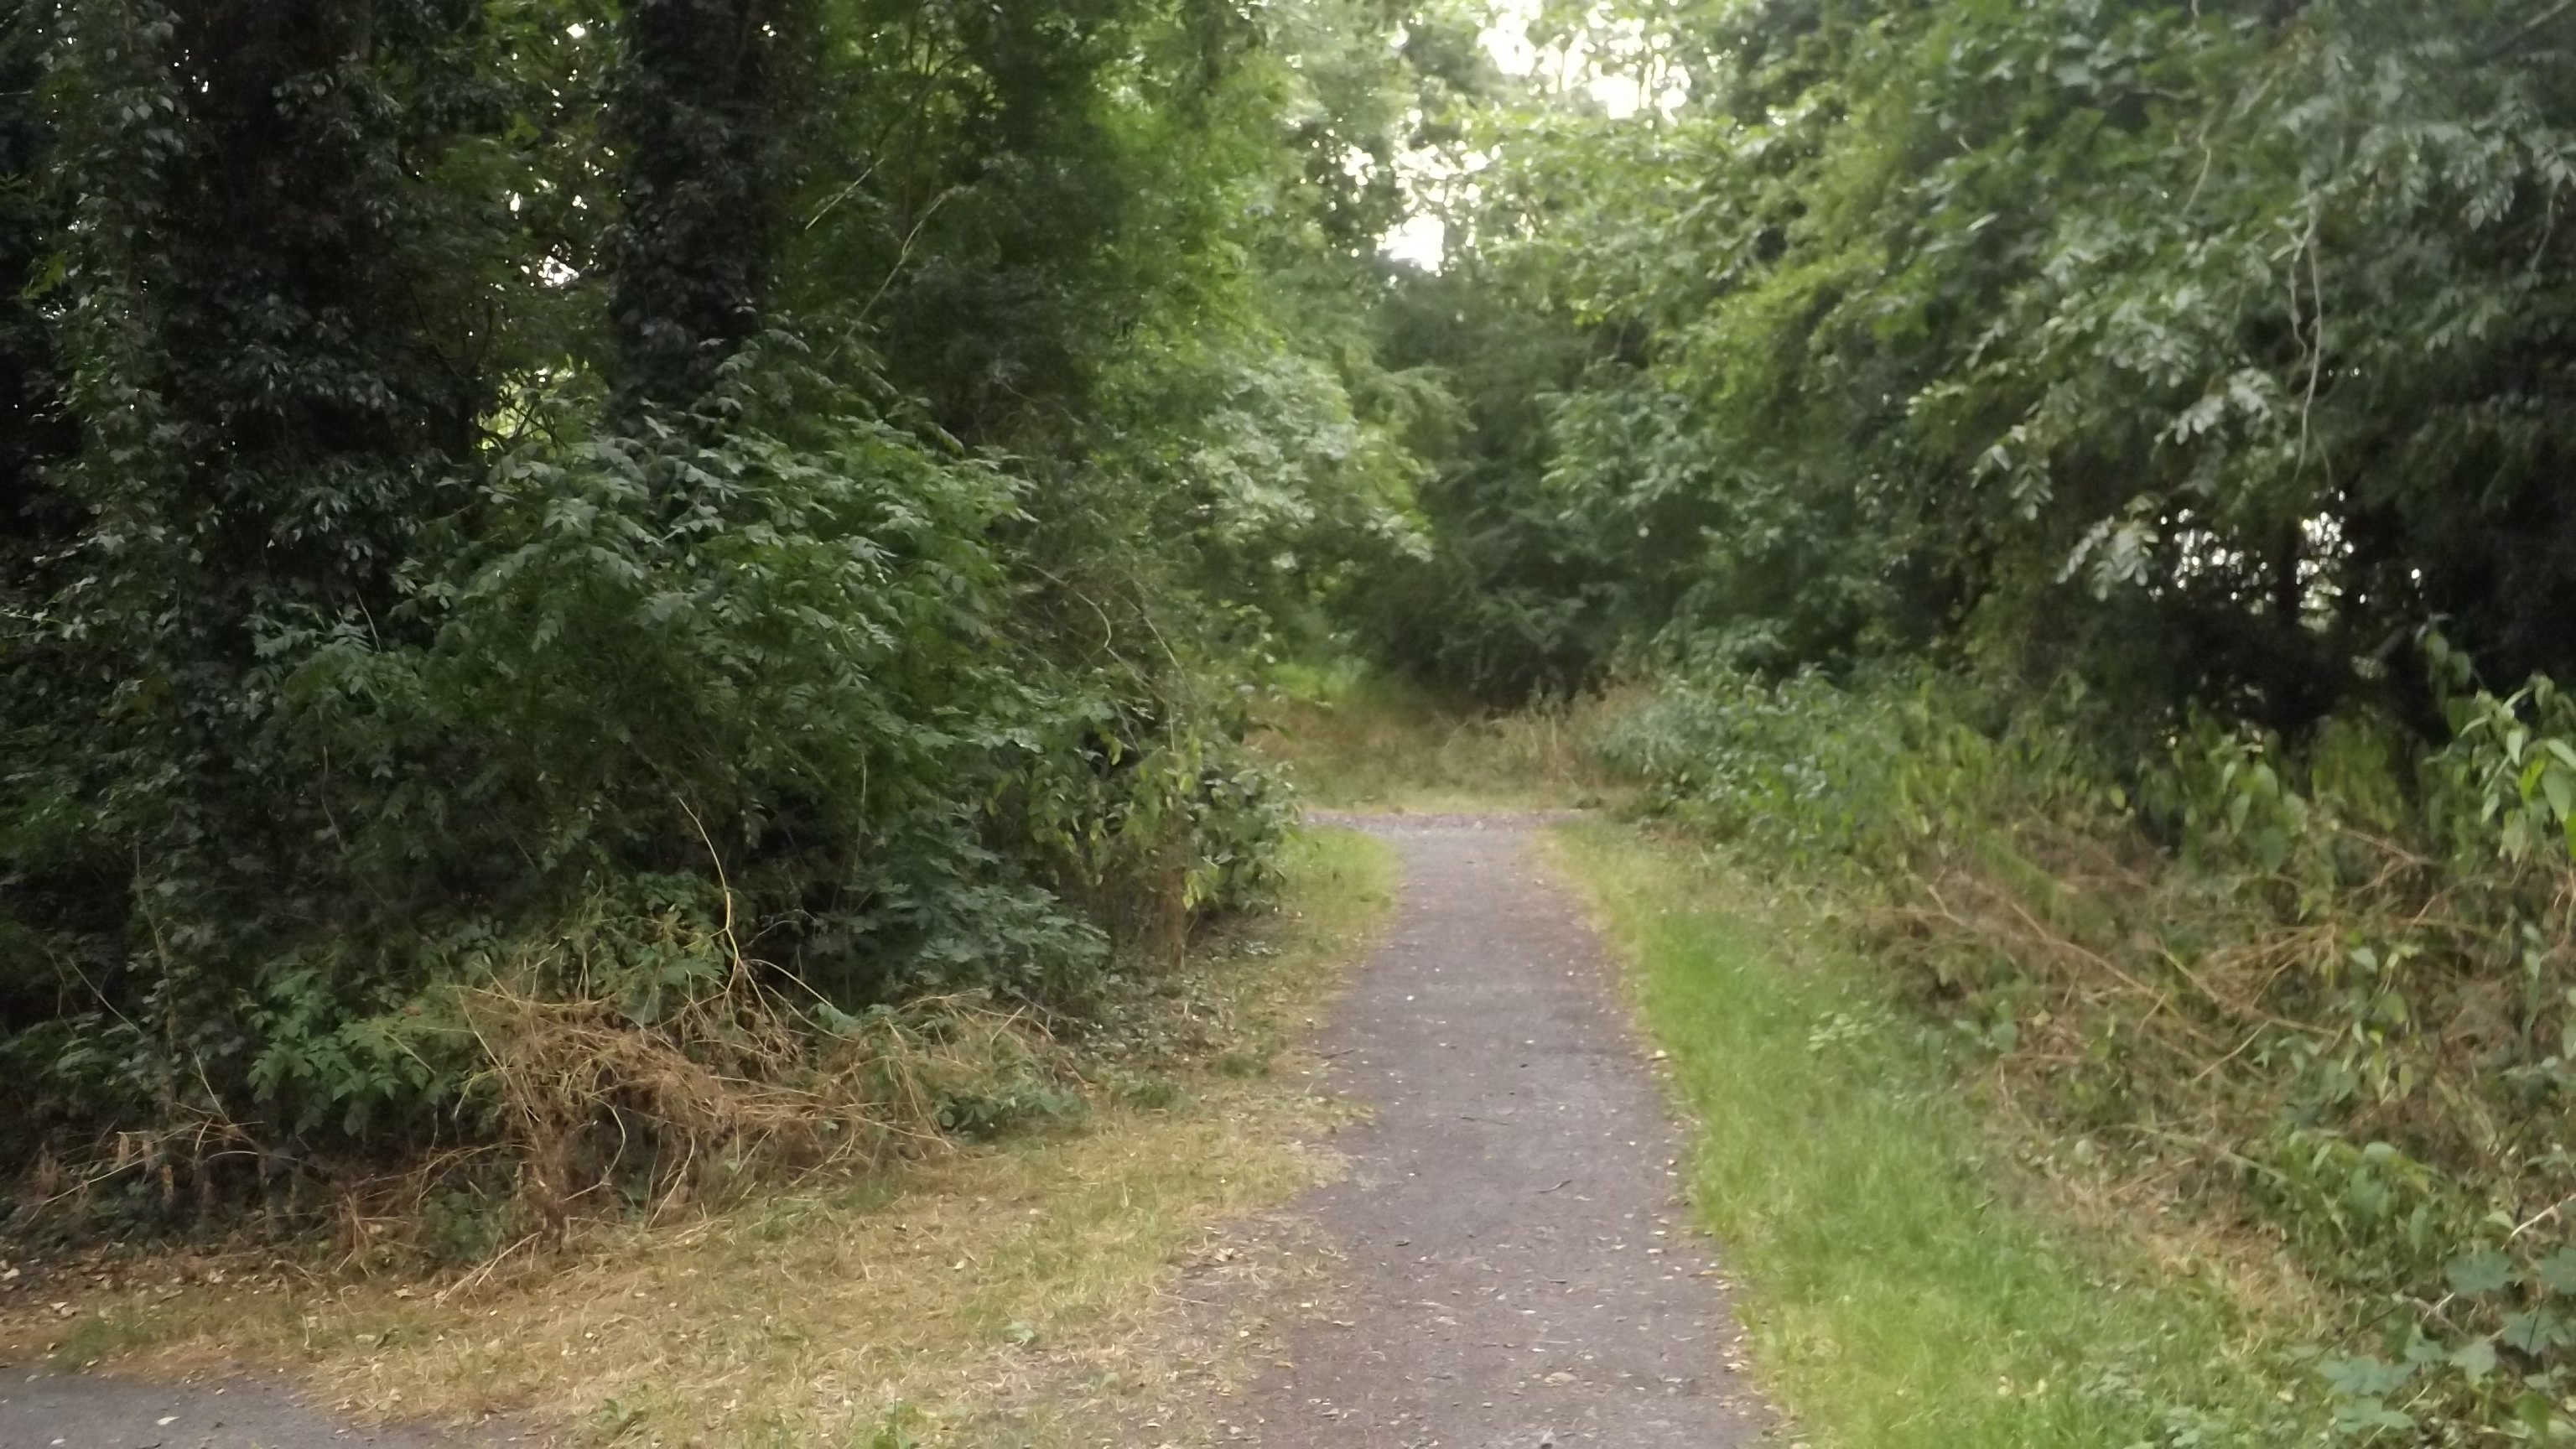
point(35, 516)
point(261, 261)
point(257, 280)
point(265, 350)
point(694, 119)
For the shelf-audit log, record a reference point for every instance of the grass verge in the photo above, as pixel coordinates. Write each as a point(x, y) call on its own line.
point(1010, 1292)
point(1905, 1282)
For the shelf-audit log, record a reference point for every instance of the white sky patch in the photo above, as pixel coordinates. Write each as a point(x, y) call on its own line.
point(1422, 240)
point(1622, 83)
point(1609, 61)
point(1507, 36)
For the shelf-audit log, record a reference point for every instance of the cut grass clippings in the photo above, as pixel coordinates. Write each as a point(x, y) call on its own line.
point(1902, 1284)
point(915, 1304)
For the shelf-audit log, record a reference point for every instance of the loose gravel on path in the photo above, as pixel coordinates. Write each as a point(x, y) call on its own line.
point(43, 1410)
point(1516, 1267)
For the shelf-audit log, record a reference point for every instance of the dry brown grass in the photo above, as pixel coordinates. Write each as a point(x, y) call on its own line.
point(730, 1088)
point(1034, 1282)
point(2166, 1007)
point(1377, 746)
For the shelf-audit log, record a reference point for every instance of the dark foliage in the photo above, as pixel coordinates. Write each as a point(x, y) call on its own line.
point(2206, 355)
point(1516, 600)
point(35, 431)
point(694, 121)
point(508, 512)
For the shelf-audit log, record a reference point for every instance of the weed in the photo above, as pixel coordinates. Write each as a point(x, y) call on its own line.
point(895, 1430)
point(2325, 988)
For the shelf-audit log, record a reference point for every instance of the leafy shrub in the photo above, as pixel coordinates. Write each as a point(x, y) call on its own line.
point(634, 685)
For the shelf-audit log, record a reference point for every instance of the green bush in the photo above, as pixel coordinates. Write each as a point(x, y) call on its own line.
point(532, 530)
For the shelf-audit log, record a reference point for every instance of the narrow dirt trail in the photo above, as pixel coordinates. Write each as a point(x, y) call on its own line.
point(1516, 1268)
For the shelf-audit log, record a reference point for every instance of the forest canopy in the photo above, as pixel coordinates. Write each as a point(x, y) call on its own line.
point(2207, 352)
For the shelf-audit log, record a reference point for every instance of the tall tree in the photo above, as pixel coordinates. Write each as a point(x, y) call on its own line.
point(700, 120)
point(35, 430)
point(2207, 356)
point(272, 342)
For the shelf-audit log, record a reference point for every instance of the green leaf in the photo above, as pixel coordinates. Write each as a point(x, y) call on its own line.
point(2557, 1272)
point(2477, 1274)
point(2365, 1377)
point(2535, 1332)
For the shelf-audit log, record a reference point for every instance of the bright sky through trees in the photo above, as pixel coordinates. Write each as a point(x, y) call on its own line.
point(1421, 238)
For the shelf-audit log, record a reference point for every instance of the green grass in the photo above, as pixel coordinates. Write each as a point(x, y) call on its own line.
point(1903, 1284)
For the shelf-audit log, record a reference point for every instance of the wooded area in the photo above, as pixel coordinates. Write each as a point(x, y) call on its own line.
point(693, 520)
point(565, 566)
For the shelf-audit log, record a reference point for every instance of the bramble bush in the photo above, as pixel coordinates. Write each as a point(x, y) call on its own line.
point(2328, 985)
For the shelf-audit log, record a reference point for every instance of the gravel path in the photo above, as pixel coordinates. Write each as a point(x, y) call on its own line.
point(1517, 1271)
point(39, 1410)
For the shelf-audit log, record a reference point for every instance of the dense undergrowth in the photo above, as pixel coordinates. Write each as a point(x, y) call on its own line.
point(2329, 989)
point(596, 598)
